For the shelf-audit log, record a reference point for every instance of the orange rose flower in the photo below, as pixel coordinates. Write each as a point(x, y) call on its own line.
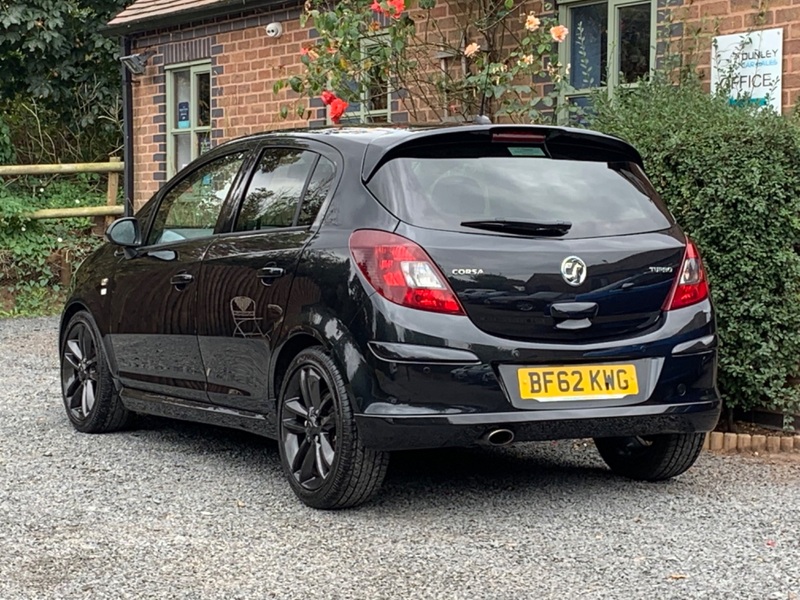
point(472, 50)
point(559, 33)
point(532, 22)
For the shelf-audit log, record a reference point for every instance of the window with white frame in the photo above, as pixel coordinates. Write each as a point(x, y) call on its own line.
point(374, 105)
point(612, 43)
point(188, 113)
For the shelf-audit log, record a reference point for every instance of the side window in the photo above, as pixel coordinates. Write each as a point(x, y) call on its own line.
point(191, 208)
point(276, 187)
point(318, 188)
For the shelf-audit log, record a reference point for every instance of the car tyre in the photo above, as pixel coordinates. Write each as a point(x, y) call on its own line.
point(90, 398)
point(651, 458)
point(320, 450)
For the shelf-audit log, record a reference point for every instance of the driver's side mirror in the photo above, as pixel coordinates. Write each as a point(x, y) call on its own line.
point(125, 232)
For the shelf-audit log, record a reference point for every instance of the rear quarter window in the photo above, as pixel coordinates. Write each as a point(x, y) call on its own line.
point(440, 187)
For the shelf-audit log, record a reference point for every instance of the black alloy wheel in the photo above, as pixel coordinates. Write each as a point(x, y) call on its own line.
point(90, 399)
point(79, 371)
point(309, 427)
point(321, 453)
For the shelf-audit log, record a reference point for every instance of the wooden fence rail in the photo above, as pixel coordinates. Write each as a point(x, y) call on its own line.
point(103, 215)
point(114, 165)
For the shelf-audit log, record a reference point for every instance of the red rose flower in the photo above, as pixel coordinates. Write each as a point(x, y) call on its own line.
point(396, 7)
point(399, 6)
point(327, 97)
point(338, 106)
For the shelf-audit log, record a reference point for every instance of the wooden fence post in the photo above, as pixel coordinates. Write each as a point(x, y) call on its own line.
point(65, 267)
point(113, 189)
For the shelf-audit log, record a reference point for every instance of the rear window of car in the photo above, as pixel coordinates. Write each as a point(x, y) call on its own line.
point(442, 186)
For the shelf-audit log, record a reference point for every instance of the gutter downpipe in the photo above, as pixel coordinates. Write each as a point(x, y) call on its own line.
point(127, 127)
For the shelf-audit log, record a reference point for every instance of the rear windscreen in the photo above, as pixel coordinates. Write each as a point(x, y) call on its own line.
point(439, 187)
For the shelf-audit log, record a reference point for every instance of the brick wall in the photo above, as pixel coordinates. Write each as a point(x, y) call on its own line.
point(245, 65)
point(702, 19)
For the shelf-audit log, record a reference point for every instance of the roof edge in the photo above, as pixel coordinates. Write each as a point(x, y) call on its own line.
point(179, 17)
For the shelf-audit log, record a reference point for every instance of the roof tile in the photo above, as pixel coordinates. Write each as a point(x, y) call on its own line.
point(147, 9)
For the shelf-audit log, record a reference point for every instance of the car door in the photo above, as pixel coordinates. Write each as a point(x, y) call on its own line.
point(247, 274)
point(153, 324)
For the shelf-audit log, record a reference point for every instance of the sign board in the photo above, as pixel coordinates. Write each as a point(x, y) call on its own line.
point(183, 115)
point(751, 64)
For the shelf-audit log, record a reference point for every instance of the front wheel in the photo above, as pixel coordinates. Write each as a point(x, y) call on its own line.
point(92, 403)
point(651, 458)
point(322, 456)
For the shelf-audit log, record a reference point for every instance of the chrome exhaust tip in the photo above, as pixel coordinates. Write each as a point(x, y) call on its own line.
point(499, 437)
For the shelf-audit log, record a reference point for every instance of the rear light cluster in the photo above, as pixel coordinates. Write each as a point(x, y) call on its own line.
point(402, 272)
point(691, 285)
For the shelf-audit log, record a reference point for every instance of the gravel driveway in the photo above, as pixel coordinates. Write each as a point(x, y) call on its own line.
point(183, 511)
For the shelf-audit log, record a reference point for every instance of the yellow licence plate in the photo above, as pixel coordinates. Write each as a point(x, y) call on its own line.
point(585, 382)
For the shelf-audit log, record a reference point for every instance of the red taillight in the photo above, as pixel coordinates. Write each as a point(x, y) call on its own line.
point(691, 285)
point(402, 272)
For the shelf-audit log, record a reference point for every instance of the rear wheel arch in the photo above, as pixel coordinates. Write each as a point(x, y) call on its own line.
point(342, 350)
point(296, 343)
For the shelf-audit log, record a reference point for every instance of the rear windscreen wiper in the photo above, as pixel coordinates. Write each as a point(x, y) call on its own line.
point(543, 228)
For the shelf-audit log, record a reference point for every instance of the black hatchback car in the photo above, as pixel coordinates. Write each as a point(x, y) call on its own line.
point(356, 291)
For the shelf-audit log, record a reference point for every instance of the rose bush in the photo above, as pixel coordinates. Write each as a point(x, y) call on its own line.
point(498, 59)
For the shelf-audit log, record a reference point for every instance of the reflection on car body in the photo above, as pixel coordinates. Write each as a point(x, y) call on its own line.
point(287, 284)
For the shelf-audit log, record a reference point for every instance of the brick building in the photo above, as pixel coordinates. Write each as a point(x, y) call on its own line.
point(210, 65)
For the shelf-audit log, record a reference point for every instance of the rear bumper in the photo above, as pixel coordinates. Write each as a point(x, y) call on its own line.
point(406, 432)
point(429, 380)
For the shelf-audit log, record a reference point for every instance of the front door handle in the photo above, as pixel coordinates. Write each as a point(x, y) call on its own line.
point(270, 272)
point(181, 280)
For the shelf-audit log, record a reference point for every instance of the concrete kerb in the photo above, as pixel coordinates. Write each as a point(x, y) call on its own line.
point(716, 441)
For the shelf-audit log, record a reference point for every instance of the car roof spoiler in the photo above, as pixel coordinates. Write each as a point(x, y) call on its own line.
point(560, 142)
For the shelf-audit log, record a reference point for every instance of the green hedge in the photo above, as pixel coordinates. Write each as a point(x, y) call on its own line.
point(29, 273)
point(731, 176)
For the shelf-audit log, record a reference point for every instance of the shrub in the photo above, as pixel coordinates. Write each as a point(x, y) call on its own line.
point(731, 176)
point(29, 266)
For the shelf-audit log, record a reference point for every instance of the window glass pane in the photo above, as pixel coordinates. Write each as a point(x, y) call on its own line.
point(183, 150)
point(191, 208)
point(634, 42)
point(588, 45)
point(272, 196)
point(377, 93)
point(183, 92)
point(203, 142)
point(447, 184)
point(203, 99)
point(318, 188)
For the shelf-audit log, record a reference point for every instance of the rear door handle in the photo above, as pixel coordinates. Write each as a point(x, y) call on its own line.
point(270, 272)
point(181, 280)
